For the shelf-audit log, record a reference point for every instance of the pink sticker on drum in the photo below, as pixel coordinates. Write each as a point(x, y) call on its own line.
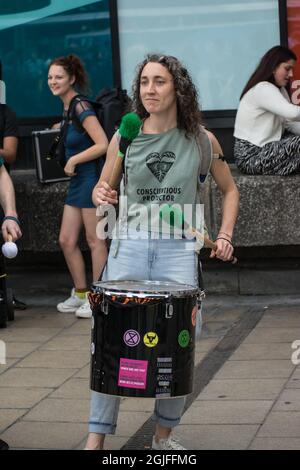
point(132, 373)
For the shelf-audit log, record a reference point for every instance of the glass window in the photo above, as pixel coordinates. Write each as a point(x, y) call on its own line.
point(220, 42)
point(293, 10)
point(31, 37)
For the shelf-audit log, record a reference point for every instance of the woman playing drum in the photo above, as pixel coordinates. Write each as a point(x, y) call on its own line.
point(161, 166)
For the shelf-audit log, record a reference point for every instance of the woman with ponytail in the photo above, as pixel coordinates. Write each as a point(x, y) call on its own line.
point(83, 163)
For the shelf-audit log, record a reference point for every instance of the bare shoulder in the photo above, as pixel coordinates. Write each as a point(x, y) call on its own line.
point(214, 141)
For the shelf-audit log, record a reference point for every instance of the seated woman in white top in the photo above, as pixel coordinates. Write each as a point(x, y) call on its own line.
point(267, 126)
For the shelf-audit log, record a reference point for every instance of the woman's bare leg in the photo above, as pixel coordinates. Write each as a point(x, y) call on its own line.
point(68, 240)
point(98, 247)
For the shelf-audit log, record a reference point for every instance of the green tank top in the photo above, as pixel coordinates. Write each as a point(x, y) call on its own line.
point(164, 169)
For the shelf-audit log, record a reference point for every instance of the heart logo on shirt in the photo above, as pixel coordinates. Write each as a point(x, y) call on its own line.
point(159, 165)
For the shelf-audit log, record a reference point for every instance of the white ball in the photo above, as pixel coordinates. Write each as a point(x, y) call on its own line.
point(9, 249)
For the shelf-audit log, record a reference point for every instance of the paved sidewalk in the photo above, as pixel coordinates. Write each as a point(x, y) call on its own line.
point(252, 401)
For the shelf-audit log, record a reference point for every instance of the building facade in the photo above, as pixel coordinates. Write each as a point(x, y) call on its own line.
point(220, 42)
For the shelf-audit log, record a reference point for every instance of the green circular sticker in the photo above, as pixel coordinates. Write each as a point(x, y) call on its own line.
point(184, 338)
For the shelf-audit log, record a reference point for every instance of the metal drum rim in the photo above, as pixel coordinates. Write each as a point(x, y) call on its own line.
point(189, 291)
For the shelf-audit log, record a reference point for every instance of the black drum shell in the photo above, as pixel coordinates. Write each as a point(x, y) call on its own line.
point(170, 363)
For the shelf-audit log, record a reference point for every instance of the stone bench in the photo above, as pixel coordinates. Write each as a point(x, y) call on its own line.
point(269, 210)
point(40, 208)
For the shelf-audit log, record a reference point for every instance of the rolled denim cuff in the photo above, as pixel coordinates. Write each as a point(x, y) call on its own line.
point(102, 428)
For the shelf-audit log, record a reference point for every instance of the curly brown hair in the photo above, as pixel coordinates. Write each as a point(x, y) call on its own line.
point(74, 67)
point(189, 116)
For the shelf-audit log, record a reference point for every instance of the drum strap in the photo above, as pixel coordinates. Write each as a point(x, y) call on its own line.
point(200, 277)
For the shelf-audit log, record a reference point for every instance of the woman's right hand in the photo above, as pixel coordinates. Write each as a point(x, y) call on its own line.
point(104, 194)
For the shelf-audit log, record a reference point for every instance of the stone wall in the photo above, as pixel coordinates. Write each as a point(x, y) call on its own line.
point(40, 208)
point(269, 210)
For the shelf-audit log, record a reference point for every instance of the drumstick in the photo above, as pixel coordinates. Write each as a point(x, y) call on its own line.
point(167, 210)
point(129, 129)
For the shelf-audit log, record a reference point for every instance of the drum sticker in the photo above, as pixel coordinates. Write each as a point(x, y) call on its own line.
point(184, 338)
point(132, 373)
point(194, 316)
point(150, 339)
point(164, 377)
point(131, 338)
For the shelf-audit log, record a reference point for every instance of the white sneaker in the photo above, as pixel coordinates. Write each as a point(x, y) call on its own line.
point(71, 304)
point(171, 443)
point(84, 311)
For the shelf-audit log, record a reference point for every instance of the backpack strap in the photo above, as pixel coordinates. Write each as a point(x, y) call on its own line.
point(71, 114)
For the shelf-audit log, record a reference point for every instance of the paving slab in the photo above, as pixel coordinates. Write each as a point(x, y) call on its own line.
point(21, 397)
point(230, 412)
point(39, 435)
point(221, 313)
point(267, 351)
point(281, 424)
point(35, 377)
point(206, 344)
point(60, 410)
point(56, 359)
point(84, 372)
point(272, 443)
point(81, 327)
point(68, 343)
point(73, 388)
point(216, 437)
point(272, 335)
point(285, 320)
point(8, 417)
point(294, 381)
point(8, 364)
point(289, 400)
point(282, 312)
point(256, 369)
point(42, 318)
point(199, 356)
point(20, 350)
point(215, 329)
point(234, 389)
point(27, 334)
point(227, 412)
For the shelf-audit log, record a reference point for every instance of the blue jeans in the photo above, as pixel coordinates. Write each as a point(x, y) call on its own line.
point(157, 260)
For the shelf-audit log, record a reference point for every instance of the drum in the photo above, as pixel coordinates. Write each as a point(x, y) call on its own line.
point(143, 338)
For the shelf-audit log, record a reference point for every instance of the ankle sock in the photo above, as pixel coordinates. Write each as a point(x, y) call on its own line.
point(81, 293)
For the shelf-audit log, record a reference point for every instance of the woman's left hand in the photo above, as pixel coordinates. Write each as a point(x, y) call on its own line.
point(224, 250)
point(69, 168)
